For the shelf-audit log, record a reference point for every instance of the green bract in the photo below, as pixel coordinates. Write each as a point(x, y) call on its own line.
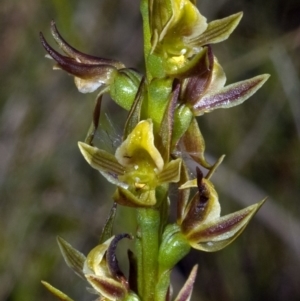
point(183, 80)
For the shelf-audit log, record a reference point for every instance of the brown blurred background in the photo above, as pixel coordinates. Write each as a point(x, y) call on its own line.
point(47, 189)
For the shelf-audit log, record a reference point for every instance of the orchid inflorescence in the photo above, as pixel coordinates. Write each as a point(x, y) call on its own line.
point(183, 80)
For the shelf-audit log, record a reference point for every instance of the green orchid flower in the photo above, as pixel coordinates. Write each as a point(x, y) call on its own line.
point(204, 87)
point(93, 73)
point(137, 167)
point(201, 222)
point(100, 268)
point(179, 31)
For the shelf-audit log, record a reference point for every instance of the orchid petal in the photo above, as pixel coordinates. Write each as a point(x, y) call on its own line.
point(216, 31)
point(108, 287)
point(187, 289)
point(88, 77)
point(183, 194)
point(79, 56)
point(171, 172)
point(216, 234)
point(111, 258)
point(60, 295)
point(103, 161)
point(126, 198)
point(166, 127)
point(203, 207)
point(73, 258)
point(193, 143)
point(200, 78)
point(138, 144)
point(229, 96)
point(218, 78)
point(95, 261)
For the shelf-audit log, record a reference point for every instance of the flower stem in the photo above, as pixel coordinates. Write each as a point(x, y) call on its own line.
point(147, 246)
point(144, 7)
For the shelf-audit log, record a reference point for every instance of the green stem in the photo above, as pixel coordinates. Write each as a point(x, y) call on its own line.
point(147, 246)
point(147, 34)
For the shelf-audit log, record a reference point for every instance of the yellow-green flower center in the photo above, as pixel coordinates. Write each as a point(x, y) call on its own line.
point(140, 158)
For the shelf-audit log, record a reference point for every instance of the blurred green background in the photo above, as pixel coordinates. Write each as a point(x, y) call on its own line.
point(47, 189)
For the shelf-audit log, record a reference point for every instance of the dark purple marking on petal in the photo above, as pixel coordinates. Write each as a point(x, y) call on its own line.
point(107, 286)
point(80, 70)
point(229, 96)
point(198, 208)
point(186, 291)
point(79, 56)
point(203, 193)
point(133, 274)
point(111, 258)
point(199, 81)
point(96, 114)
point(219, 228)
point(166, 128)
